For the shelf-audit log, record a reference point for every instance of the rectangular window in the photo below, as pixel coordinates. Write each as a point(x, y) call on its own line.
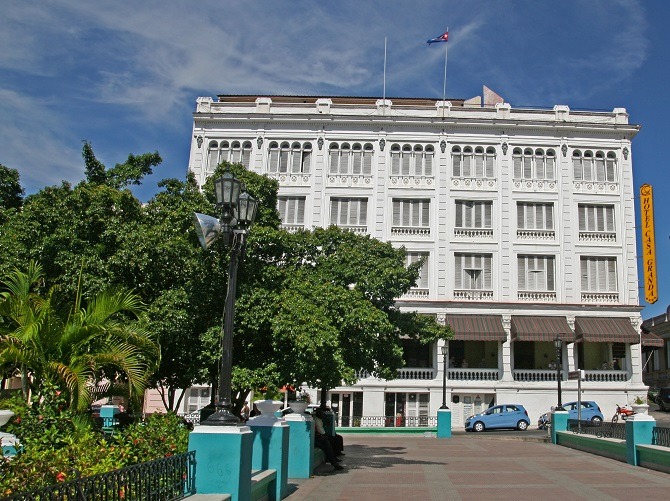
point(596, 218)
point(413, 257)
point(413, 213)
point(291, 210)
point(473, 271)
point(598, 274)
point(349, 211)
point(536, 273)
point(471, 214)
point(535, 216)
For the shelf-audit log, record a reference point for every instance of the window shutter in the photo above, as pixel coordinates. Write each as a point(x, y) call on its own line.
point(521, 216)
point(600, 218)
point(428, 164)
point(488, 214)
point(333, 161)
point(489, 166)
point(521, 276)
point(334, 212)
point(345, 159)
point(458, 275)
point(611, 169)
point(405, 162)
point(539, 166)
point(551, 286)
point(459, 214)
point(281, 207)
point(301, 211)
point(487, 272)
point(467, 157)
point(274, 160)
point(358, 161)
point(479, 165)
point(527, 167)
point(609, 216)
point(549, 171)
point(477, 207)
point(588, 169)
point(396, 213)
point(539, 217)
point(582, 217)
point(425, 212)
point(517, 167)
point(283, 160)
point(296, 159)
point(585, 274)
point(213, 159)
point(611, 275)
point(602, 275)
point(530, 217)
point(577, 168)
point(416, 212)
point(363, 217)
point(550, 216)
point(456, 160)
point(367, 162)
point(306, 161)
point(246, 156)
point(600, 169)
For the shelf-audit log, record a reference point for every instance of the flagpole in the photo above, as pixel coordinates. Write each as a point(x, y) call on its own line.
point(384, 94)
point(444, 87)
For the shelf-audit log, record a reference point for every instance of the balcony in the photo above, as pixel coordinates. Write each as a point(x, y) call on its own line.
point(473, 294)
point(474, 233)
point(358, 229)
point(535, 375)
point(607, 237)
point(427, 182)
point(410, 231)
point(537, 296)
point(417, 293)
point(602, 187)
point(606, 376)
point(536, 234)
point(473, 374)
point(292, 228)
point(474, 184)
point(350, 180)
point(416, 373)
point(535, 185)
point(291, 179)
point(600, 297)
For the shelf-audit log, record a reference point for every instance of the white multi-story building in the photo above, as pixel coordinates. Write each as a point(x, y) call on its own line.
point(525, 218)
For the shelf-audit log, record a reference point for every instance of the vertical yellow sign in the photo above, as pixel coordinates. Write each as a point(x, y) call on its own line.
point(648, 243)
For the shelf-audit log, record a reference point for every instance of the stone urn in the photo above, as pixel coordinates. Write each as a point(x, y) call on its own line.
point(5, 416)
point(640, 408)
point(299, 407)
point(268, 407)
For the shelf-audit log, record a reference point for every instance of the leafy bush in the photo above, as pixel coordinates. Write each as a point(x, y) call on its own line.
point(58, 445)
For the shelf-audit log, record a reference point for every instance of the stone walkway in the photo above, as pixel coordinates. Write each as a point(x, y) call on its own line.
point(472, 467)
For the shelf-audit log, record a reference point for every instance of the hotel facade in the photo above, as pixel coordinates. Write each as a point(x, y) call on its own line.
point(525, 219)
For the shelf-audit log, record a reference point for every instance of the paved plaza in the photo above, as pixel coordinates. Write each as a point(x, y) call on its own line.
point(489, 465)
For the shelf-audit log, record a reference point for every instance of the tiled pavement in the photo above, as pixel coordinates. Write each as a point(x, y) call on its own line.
point(472, 467)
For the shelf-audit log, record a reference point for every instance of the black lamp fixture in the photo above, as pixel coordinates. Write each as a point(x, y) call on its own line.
point(445, 353)
point(238, 212)
point(558, 343)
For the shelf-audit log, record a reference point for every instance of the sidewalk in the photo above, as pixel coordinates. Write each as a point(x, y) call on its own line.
point(479, 466)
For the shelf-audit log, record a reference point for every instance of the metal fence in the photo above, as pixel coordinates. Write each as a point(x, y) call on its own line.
point(603, 430)
point(164, 479)
point(387, 421)
point(661, 436)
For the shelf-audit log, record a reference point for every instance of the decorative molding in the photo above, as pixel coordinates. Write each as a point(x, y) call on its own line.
point(259, 142)
point(382, 143)
point(507, 323)
point(505, 146)
point(443, 145)
point(198, 139)
point(625, 153)
point(564, 149)
point(319, 143)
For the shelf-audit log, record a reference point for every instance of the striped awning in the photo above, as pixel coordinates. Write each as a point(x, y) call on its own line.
point(476, 327)
point(538, 328)
point(651, 341)
point(605, 330)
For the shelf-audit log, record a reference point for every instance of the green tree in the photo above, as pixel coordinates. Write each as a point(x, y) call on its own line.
point(74, 346)
point(11, 191)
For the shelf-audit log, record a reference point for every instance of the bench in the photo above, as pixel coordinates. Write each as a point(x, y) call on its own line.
point(263, 484)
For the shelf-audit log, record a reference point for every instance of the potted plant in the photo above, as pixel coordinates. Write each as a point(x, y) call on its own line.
point(300, 402)
point(640, 405)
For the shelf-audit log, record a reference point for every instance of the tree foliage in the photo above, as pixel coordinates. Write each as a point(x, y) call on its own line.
point(11, 191)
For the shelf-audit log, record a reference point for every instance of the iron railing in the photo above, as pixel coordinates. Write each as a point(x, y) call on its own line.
point(661, 436)
point(166, 479)
point(387, 421)
point(602, 430)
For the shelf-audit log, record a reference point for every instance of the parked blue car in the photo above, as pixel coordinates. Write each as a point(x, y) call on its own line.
point(512, 416)
point(590, 412)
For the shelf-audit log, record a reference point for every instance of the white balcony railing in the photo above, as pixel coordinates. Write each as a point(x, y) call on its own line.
point(535, 375)
point(291, 179)
point(471, 294)
point(350, 180)
point(292, 228)
point(416, 373)
point(358, 229)
point(417, 293)
point(534, 185)
point(606, 376)
point(597, 236)
point(536, 234)
point(537, 296)
point(604, 187)
point(483, 233)
point(473, 374)
point(600, 297)
point(476, 184)
point(412, 182)
point(410, 231)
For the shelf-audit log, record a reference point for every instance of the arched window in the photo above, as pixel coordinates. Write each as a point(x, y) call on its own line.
point(467, 161)
point(533, 164)
point(429, 153)
point(610, 167)
point(246, 154)
point(213, 155)
point(345, 154)
point(334, 154)
point(405, 160)
point(306, 163)
point(490, 161)
point(395, 160)
point(357, 154)
point(273, 157)
point(283, 157)
point(456, 161)
point(367, 159)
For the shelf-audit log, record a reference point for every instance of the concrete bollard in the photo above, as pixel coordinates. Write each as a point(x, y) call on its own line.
point(443, 423)
point(301, 445)
point(639, 431)
point(559, 422)
point(271, 450)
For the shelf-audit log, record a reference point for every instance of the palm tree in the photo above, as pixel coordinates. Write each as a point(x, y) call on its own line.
point(75, 347)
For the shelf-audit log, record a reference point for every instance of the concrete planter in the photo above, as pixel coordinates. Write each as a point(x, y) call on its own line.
point(640, 408)
point(5, 416)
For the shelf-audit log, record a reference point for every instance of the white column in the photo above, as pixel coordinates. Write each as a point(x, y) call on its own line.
point(507, 356)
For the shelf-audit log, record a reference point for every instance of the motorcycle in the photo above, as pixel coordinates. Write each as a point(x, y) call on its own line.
point(624, 412)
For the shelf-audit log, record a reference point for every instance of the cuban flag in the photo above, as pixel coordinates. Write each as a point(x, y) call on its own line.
point(444, 37)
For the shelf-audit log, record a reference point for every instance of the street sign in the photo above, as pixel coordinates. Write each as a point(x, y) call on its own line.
point(576, 375)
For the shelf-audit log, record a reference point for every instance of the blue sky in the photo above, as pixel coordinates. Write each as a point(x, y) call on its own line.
point(125, 75)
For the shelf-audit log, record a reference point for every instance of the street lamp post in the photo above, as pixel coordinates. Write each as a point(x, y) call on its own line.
point(558, 343)
point(238, 212)
point(445, 352)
